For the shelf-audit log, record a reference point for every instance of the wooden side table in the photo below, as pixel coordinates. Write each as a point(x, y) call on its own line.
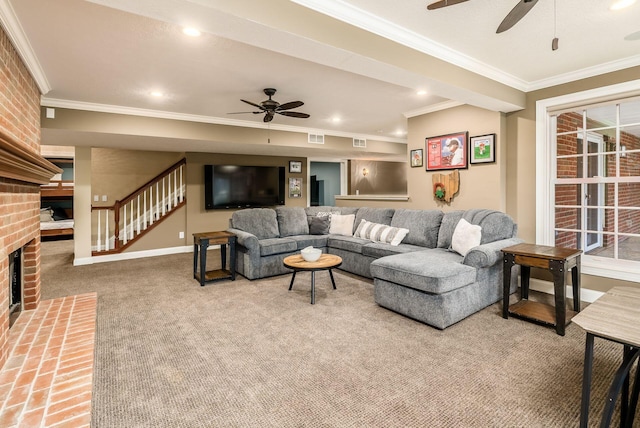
point(616, 317)
point(555, 259)
point(201, 242)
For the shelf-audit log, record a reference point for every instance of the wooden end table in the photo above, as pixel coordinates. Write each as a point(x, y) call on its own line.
point(615, 316)
point(555, 259)
point(201, 242)
point(325, 262)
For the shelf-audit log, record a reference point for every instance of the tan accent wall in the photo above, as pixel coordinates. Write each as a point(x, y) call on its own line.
point(481, 185)
point(201, 220)
point(382, 178)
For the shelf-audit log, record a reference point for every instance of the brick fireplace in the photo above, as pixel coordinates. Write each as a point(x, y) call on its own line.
point(22, 171)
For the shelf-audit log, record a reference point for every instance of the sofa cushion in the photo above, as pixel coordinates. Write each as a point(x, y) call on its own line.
point(378, 249)
point(374, 215)
point(319, 225)
point(303, 241)
point(261, 222)
point(423, 226)
point(496, 225)
point(324, 209)
point(380, 233)
point(273, 246)
point(465, 237)
point(292, 221)
point(341, 224)
point(449, 222)
point(347, 243)
point(434, 271)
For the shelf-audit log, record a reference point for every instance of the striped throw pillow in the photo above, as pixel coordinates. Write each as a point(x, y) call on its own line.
point(380, 232)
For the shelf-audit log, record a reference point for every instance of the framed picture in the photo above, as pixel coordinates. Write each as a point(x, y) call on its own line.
point(447, 151)
point(295, 187)
point(295, 166)
point(416, 158)
point(482, 148)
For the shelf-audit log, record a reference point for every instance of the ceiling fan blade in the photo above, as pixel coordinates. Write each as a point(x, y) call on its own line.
point(268, 117)
point(246, 112)
point(293, 114)
point(253, 104)
point(288, 106)
point(444, 3)
point(517, 13)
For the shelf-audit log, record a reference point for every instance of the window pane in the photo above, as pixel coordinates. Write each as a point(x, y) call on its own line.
point(605, 248)
point(568, 239)
point(567, 194)
point(630, 165)
point(601, 116)
point(629, 248)
point(569, 167)
point(568, 218)
point(569, 122)
point(630, 112)
point(609, 194)
point(629, 194)
point(629, 221)
point(609, 222)
point(568, 144)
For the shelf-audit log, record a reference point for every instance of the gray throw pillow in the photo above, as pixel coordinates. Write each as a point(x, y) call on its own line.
point(319, 225)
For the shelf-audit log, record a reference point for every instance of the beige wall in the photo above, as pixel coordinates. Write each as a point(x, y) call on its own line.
point(481, 185)
point(201, 220)
point(382, 178)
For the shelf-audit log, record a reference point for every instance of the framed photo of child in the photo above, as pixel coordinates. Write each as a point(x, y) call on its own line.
point(482, 149)
point(416, 158)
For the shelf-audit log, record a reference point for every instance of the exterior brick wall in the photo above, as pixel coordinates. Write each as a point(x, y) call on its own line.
point(19, 201)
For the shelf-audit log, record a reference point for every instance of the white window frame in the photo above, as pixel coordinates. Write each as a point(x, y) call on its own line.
point(545, 168)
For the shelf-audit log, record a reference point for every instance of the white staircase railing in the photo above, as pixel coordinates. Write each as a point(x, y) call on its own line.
point(117, 226)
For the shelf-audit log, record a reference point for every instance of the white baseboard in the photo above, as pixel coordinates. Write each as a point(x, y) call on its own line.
point(586, 295)
point(136, 255)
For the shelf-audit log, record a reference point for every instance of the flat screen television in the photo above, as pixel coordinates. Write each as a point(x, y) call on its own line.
point(235, 186)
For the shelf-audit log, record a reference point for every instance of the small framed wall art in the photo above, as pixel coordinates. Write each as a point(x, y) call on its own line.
point(295, 166)
point(295, 187)
point(447, 151)
point(482, 149)
point(416, 158)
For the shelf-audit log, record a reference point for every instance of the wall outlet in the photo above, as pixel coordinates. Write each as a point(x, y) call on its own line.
point(181, 235)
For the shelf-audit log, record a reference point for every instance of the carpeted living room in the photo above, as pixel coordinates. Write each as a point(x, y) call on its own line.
point(170, 353)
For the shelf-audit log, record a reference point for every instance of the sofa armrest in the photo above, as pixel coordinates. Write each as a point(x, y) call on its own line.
point(246, 239)
point(488, 254)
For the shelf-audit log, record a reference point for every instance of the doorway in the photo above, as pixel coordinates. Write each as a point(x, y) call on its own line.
point(325, 182)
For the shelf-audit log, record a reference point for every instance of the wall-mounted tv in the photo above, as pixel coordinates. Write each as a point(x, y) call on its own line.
point(236, 186)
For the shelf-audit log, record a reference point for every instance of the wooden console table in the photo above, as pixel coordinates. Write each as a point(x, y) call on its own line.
point(616, 317)
point(201, 242)
point(555, 259)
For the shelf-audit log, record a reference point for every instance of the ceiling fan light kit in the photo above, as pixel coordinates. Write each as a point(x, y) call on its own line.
point(271, 107)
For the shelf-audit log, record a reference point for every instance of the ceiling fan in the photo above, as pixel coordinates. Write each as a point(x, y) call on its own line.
point(271, 107)
point(517, 13)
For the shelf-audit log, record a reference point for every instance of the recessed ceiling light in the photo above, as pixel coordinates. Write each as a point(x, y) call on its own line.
point(157, 94)
point(400, 133)
point(621, 4)
point(421, 92)
point(336, 119)
point(190, 31)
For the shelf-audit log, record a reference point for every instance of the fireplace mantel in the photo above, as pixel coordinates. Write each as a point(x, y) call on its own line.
point(20, 164)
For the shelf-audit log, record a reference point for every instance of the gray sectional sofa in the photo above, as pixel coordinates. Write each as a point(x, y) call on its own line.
point(421, 277)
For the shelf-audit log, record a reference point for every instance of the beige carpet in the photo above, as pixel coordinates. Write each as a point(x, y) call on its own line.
point(170, 353)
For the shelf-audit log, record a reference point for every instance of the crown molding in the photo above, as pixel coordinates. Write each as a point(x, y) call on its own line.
point(596, 70)
point(21, 43)
point(159, 114)
point(350, 14)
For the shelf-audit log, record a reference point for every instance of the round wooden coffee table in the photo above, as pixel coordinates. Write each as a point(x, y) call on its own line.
point(325, 262)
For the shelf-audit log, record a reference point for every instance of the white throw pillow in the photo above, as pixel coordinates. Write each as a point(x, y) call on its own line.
point(380, 232)
point(342, 224)
point(465, 237)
